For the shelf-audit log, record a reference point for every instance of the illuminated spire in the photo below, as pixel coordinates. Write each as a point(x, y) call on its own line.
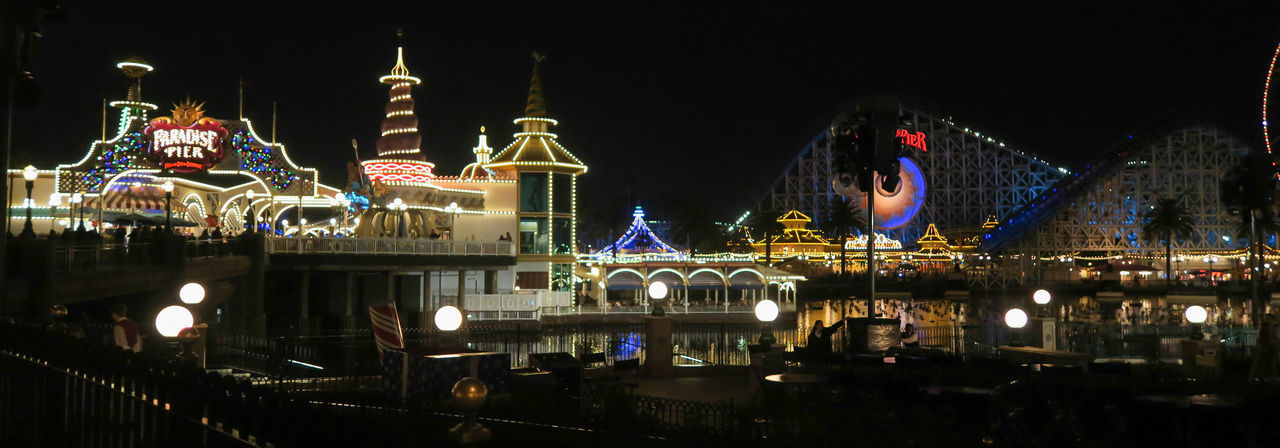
point(132, 107)
point(536, 106)
point(400, 138)
point(482, 151)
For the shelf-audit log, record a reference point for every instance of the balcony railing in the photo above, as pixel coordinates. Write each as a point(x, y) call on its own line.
point(388, 246)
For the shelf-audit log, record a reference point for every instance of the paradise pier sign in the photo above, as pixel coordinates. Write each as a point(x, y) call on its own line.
point(186, 143)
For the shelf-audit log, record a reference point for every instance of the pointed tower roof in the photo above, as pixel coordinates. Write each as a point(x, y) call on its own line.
point(535, 145)
point(536, 105)
point(476, 170)
point(932, 244)
point(400, 138)
point(794, 220)
point(991, 223)
point(638, 239)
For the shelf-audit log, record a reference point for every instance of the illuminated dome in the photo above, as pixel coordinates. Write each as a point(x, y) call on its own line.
point(476, 170)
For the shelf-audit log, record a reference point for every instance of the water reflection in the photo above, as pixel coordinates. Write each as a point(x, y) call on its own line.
point(693, 343)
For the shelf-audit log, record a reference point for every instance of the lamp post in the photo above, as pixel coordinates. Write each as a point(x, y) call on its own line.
point(452, 209)
point(448, 319)
point(398, 206)
point(1211, 259)
point(1041, 297)
point(1016, 319)
point(253, 217)
point(29, 174)
point(657, 291)
point(168, 208)
point(76, 199)
point(1196, 314)
point(54, 201)
point(766, 311)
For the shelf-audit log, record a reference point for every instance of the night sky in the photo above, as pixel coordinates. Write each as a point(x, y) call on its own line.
point(661, 100)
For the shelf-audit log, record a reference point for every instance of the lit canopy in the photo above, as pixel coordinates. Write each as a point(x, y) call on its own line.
point(638, 239)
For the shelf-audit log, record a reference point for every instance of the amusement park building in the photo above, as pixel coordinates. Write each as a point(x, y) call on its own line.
point(959, 176)
point(226, 176)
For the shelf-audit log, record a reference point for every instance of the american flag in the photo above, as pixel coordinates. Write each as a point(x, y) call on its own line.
point(386, 326)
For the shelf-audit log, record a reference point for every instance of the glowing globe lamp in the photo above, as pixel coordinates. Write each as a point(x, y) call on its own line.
point(657, 290)
point(172, 320)
point(191, 293)
point(766, 310)
point(1196, 314)
point(448, 318)
point(1041, 297)
point(1015, 318)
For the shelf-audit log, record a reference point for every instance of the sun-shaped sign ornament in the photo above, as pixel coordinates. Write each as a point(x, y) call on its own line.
point(186, 142)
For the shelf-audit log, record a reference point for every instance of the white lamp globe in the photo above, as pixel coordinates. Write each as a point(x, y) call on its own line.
point(191, 293)
point(172, 320)
point(657, 290)
point(1041, 297)
point(1196, 314)
point(448, 318)
point(1015, 318)
point(766, 310)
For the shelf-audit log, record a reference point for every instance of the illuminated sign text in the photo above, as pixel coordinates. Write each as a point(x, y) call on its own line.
point(185, 149)
point(915, 140)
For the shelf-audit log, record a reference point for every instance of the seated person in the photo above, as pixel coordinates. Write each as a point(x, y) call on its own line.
point(909, 337)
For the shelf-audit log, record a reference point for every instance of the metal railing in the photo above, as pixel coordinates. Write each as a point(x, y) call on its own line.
point(80, 257)
point(387, 246)
point(670, 308)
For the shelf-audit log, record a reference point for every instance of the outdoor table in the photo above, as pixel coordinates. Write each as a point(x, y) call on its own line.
point(1178, 401)
point(797, 378)
point(1212, 419)
point(801, 386)
point(959, 390)
point(1217, 401)
point(1054, 370)
point(910, 361)
point(867, 359)
point(1159, 419)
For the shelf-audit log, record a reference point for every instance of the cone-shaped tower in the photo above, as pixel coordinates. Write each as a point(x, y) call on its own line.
point(536, 106)
point(400, 137)
point(535, 145)
point(400, 161)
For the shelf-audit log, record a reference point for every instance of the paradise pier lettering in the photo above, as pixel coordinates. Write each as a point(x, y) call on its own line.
point(915, 140)
point(184, 143)
point(185, 148)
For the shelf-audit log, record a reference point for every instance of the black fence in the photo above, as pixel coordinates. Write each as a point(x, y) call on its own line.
point(63, 391)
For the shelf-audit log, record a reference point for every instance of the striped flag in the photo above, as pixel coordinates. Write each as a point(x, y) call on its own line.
point(386, 326)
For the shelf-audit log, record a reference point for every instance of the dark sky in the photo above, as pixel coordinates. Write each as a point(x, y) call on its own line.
point(661, 99)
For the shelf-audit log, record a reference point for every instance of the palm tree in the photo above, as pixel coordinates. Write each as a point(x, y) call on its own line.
point(1166, 221)
point(841, 221)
